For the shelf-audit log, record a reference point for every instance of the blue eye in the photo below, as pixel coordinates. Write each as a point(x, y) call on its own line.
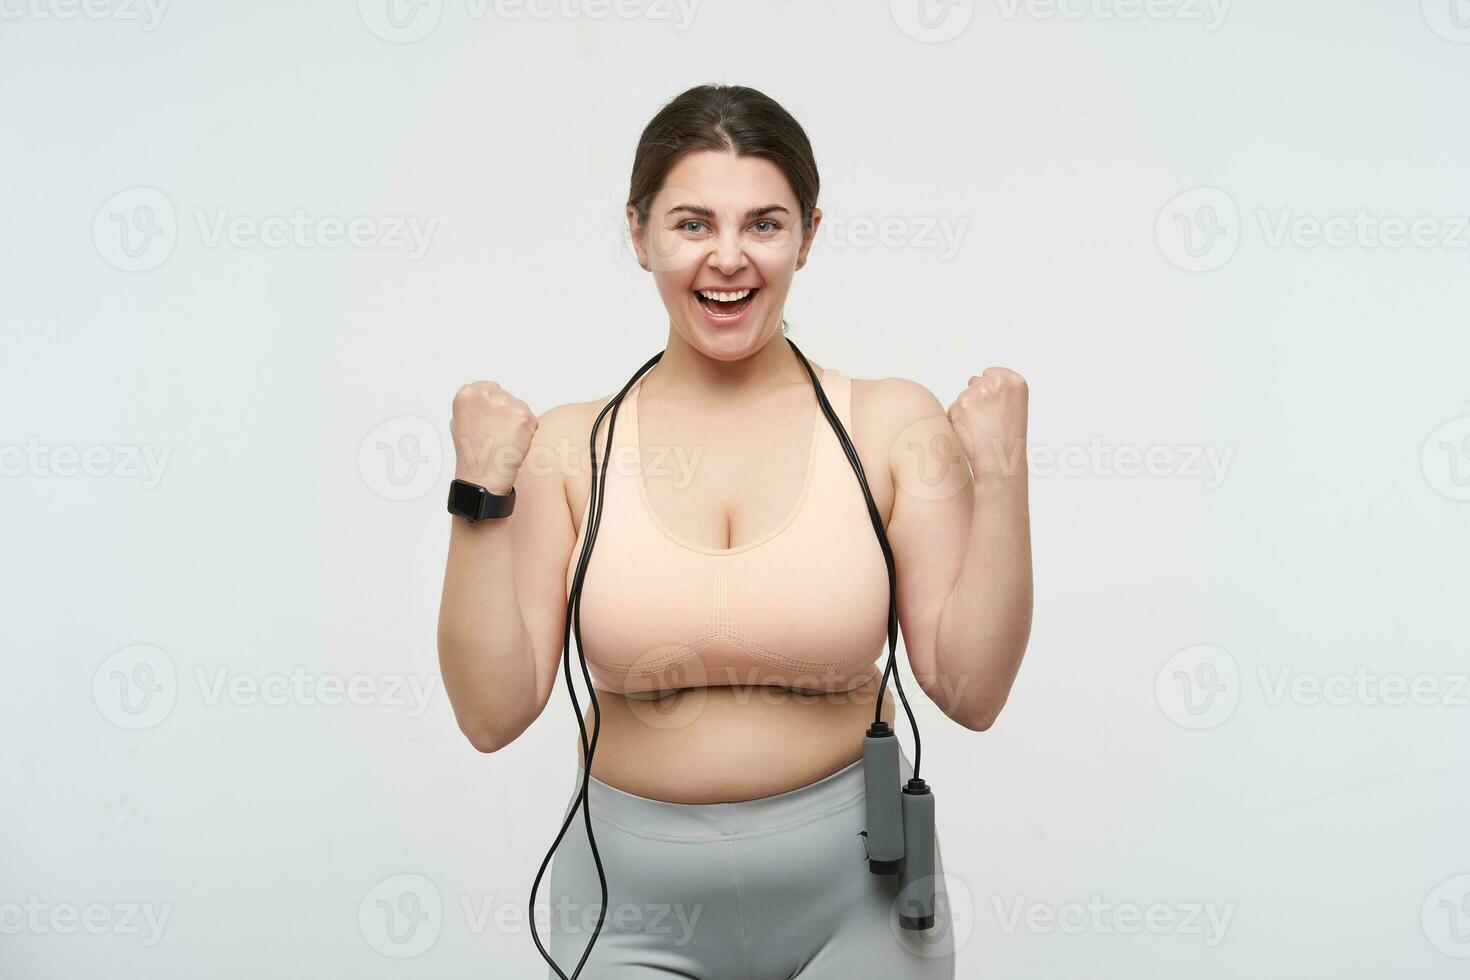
point(768, 221)
point(691, 221)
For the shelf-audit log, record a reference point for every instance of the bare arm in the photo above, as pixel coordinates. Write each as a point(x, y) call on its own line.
point(962, 542)
point(502, 612)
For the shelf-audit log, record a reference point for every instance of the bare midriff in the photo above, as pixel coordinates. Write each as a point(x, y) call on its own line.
point(724, 744)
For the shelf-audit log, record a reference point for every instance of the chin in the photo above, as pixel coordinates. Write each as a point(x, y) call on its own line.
point(730, 345)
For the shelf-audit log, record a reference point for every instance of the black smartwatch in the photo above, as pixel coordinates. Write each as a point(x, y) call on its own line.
point(474, 503)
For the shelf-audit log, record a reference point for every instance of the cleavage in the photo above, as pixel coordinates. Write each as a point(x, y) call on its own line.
point(721, 480)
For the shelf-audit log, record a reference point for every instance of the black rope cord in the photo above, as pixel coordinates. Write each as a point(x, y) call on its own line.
point(574, 625)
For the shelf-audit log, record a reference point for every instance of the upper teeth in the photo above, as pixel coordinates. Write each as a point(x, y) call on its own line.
point(724, 297)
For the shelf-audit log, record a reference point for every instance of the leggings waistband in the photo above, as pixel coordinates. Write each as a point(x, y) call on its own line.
point(663, 820)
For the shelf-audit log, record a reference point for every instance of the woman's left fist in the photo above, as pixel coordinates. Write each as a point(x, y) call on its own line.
point(989, 417)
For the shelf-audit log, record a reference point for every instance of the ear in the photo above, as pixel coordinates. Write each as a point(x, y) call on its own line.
point(635, 232)
point(808, 235)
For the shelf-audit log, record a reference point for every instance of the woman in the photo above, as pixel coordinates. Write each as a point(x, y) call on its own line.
point(734, 607)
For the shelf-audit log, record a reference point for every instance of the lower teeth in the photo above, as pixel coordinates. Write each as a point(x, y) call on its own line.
point(723, 309)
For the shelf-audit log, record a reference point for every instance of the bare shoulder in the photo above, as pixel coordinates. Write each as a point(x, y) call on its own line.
point(892, 418)
point(889, 405)
point(908, 427)
point(563, 436)
point(570, 419)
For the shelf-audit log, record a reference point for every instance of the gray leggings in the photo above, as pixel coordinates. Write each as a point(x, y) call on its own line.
point(763, 889)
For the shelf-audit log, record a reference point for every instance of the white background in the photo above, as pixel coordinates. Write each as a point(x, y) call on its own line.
point(301, 392)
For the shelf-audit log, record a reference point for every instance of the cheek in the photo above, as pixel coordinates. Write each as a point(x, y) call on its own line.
point(778, 257)
point(776, 267)
point(670, 252)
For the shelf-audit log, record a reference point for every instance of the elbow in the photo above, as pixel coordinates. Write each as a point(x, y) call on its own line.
point(492, 730)
point(977, 722)
point(980, 717)
point(484, 737)
point(486, 745)
point(975, 713)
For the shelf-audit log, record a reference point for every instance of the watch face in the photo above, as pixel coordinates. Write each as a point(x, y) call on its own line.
point(466, 498)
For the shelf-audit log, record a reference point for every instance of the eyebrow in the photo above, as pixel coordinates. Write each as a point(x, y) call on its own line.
point(703, 212)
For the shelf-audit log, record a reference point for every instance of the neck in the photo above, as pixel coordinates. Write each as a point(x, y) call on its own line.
point(684, 371)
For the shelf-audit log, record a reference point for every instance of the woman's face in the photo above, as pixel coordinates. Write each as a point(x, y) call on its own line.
point(725, 224)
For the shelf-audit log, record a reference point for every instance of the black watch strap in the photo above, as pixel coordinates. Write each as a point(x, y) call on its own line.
point(474, 503)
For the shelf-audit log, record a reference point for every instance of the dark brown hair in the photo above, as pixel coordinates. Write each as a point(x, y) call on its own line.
point(723, 118)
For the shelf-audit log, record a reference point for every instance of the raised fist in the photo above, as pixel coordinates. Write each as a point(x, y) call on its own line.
point(492, 432)
point(990, 419)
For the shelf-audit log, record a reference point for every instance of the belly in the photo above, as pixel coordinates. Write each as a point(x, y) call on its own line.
point(723, 744)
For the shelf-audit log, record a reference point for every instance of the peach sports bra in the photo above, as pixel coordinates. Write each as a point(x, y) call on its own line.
point(805, 606)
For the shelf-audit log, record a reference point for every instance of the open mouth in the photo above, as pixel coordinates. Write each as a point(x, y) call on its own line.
point(725, 305)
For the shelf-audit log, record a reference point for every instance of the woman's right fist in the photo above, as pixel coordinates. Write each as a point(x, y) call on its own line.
point(492, 432)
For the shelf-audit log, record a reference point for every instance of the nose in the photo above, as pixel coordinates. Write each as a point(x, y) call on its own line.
point(728, 254)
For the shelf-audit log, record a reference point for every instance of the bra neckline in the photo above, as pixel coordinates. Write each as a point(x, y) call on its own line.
point(636, 439)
